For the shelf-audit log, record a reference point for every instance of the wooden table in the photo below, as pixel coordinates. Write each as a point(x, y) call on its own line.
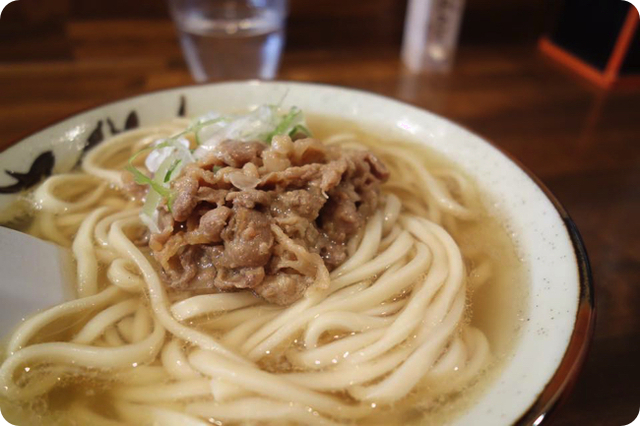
point(583, 143)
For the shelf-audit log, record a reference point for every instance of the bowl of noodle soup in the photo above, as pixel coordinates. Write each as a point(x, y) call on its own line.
point(463, 297)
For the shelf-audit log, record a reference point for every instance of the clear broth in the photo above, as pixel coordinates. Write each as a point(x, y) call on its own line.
point(497, 308)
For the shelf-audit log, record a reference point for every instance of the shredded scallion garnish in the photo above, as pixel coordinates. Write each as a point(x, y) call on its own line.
point(142, 179)
point(168, 157)
point(175, 164)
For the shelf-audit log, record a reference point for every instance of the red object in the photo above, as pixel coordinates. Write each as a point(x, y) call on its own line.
point(611, 74)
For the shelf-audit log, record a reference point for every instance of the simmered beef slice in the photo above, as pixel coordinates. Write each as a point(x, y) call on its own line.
point(247, 239)
point(237, 154)
point(219, 234)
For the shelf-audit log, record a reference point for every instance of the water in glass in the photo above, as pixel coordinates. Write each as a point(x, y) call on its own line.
point(232, 48)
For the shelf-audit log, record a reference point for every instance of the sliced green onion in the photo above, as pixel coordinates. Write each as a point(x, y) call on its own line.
point(167, 176)
point(299, 128)
point(196, 127)
point(142, 179)
point(254, 126)
point(285, 124)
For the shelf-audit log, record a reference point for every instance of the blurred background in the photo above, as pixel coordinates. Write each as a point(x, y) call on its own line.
point(122, 47)
point(60, 56)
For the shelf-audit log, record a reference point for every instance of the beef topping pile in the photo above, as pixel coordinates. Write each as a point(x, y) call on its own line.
point(263, 217)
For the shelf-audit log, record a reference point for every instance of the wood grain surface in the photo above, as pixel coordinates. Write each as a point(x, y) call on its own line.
point(65, 55)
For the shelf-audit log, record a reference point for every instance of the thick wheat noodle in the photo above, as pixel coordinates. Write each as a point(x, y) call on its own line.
point(156, 291)
point(46, 199)
point(120, 274)
point(175, 362)
point(171, 392)
point(400, 382)
point(454, 355)
point(140, 375)
point(71, 220)
point(264, 383)
point(258, 409)
point(477, 355)
point(142, 323)
point(286, 317)
point(104, 256)
point(240, 333)
point(234, 318)
point(83, 415)
point(83, 249)
point(98, 324)
point(386, 308)
point(340, 137)
point(331, 353)
point(112, 338)
point(80, 356)
point(223, 391)
point(434, 188)
point(101, 229)
point(398, 249)
point(341, 377)
point(45, 227)
point(392, 209)
point(210, 303)
point(390, 319)
point(343, 321)
point(30, 327)
point(390, 237)
point(445, 277)
point(368, 247)
point(139, 414)
point(373, 295)
point(463, 184)
point(125, 329)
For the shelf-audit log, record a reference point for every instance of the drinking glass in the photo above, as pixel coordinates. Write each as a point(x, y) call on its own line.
point(230, 39)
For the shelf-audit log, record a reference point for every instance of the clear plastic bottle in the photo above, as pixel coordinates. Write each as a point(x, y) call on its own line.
point(431, 34)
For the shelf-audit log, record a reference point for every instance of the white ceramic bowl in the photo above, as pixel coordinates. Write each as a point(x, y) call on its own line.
point(553, 342)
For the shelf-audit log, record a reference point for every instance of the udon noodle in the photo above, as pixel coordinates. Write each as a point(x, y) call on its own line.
point(393, 321)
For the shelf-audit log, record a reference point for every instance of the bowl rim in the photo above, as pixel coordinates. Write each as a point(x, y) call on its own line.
point(560, 385)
